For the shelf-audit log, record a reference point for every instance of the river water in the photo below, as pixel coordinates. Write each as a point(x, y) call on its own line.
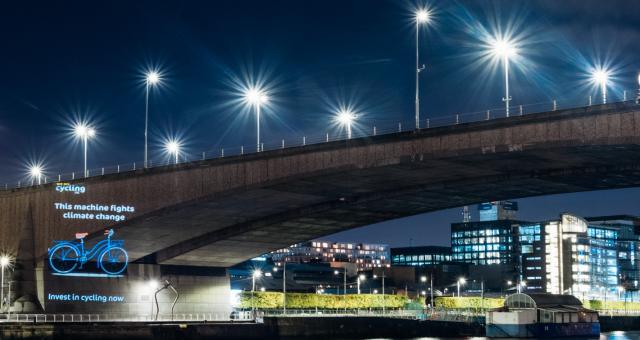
point(618, 335)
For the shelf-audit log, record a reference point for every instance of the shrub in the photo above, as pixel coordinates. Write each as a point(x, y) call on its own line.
point(273, 300)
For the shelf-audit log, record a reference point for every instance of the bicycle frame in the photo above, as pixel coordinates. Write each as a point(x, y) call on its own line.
point(85, 255)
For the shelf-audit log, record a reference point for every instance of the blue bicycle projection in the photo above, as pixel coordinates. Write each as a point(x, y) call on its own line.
point(65, 256)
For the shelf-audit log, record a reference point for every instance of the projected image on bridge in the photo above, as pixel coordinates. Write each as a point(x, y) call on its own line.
point(70, 257)
point(98, 211)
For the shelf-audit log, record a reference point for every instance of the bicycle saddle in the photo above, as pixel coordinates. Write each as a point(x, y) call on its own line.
point(80, 236)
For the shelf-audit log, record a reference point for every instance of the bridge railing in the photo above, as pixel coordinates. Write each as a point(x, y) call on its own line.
point(360, 129)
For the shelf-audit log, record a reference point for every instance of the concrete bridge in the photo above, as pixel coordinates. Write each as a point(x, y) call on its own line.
point(220, 212)
point(186, 222)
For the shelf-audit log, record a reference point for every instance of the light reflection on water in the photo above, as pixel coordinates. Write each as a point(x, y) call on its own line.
point(617, 335)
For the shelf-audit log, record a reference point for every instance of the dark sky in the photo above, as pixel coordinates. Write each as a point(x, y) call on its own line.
point(69, 60)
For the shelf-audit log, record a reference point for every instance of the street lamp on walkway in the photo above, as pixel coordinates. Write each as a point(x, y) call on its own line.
point(84, 132)
point(5, 261)
point(601, 78)
point(35, 171)
point(461, 281)
point(504, 49)
point(256, 97)
point(151, 79)
point(346, 118)
point(422, 17)
point(172, 147)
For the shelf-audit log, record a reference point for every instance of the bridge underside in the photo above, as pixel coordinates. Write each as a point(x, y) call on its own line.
point(224, 230)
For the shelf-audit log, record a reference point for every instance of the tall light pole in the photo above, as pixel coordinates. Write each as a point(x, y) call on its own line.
point(284, 284)
point(256, 97)
point(361, 277)
point(422, 16)
point(256, 274)
point(151, 79)
point(345, 118)
point(36, 173)
point(601, 77)
point(5, 260)
point(637, 102)
point(84, 132)
point(461, 281)
point(172, 147)
point(504, 50)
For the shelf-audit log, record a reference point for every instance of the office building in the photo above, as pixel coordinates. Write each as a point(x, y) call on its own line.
point(365, 256)
point(420, 256)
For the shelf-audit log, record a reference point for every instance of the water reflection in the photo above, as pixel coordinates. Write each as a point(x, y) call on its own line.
point(617, 335)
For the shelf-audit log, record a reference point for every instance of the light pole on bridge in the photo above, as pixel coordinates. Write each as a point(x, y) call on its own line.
point(422, 17)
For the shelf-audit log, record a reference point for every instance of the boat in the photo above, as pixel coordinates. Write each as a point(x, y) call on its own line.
point(541, 315)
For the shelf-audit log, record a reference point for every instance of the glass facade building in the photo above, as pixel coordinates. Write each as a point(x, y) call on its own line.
point(420, 256)
point(482, 243)
point(590, 258)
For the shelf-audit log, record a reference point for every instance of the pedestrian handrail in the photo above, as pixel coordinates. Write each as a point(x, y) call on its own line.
point(370, 128)
point(181, 317)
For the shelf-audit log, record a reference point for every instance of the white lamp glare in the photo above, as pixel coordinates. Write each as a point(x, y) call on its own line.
point(503, 48)
point(173, 148)
point(346, 118)
point(153, 77)
point(422, 16)
point(600, 77)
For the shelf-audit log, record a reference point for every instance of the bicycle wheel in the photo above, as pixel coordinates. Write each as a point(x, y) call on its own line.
point(114, 260)
point(63, 258)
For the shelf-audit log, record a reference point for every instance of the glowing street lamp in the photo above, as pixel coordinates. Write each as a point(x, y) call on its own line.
point(255, 275)
point(461, 281)
point(35, 171)
point(5, 260)
point(172, 147)
point(601, 77)
point(422, 17)
point(152, 78)
point(638, 97)
point(256, 97)
point(521, 286)
point(84, 132)
point(362, 278)
point(345, 118)
point(504, 49)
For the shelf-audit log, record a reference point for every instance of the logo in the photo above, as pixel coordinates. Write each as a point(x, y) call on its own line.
point(68, 187)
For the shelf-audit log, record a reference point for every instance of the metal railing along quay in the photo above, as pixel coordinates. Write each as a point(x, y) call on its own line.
point(404, 314)
point(180, 317)
point(361, 129)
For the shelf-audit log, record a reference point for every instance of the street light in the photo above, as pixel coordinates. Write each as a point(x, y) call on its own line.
point(422, 17)
point(461, 281)
point(620, 290)
point(361, 277)
point(255, 275)
point(638, 97)
point(35, 171)
point(346, 117)
point(84, 132)
point(172, 147)
point(151, 79)
point(601, 77)
point(521, 285)
point(5, 260)
point(256, 97)
point(504, 49)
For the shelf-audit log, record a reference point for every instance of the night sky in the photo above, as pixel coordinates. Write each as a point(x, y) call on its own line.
point(82, 60)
